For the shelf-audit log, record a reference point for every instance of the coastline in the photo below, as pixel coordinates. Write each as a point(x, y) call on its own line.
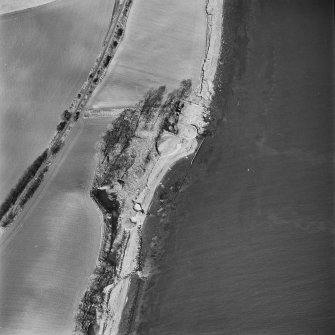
point(200, 264)
point(199, 103)
point(114, 313)
point(214, 11)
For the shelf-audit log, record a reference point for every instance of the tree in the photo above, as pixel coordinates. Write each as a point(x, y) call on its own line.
point(66, 116)
point(56, 147)
point(61, 126)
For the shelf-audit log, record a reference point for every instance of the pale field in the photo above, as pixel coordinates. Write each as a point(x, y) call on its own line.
point(48, 257)
point(164, 44)
point(7, 6)
point(45, 56)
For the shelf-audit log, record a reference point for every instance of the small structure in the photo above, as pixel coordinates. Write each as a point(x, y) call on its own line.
point(138, 207)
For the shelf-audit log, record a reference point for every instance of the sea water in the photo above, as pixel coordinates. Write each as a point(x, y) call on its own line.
point(251, 248)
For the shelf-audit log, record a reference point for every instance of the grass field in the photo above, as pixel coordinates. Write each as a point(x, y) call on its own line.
point(164, 43)
point(45, 56)
point(48, 257)
point(8, 6)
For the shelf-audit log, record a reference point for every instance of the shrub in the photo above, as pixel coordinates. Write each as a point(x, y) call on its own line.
point(173, 104)
point(8, 219)
point(22, 183)
point(107, 60)
point(76, 116)
point(152, 99)
point(61, 126)
point(33, 187)
point(56, 147)
point(66, 116)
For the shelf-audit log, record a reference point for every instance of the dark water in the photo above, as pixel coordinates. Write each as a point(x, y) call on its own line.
point(251, 249)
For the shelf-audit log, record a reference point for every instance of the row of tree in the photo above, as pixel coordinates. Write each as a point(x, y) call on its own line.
point(28, 175)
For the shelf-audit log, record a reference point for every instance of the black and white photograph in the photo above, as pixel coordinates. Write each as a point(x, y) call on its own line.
point(167, 167)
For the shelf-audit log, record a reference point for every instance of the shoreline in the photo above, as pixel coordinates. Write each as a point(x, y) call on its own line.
point(214, 13)
point(201, 99)
point(114, 315)
point(201, 275)
point(123, 220)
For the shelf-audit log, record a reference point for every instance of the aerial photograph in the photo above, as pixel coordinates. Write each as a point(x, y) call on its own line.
point(167, 167)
